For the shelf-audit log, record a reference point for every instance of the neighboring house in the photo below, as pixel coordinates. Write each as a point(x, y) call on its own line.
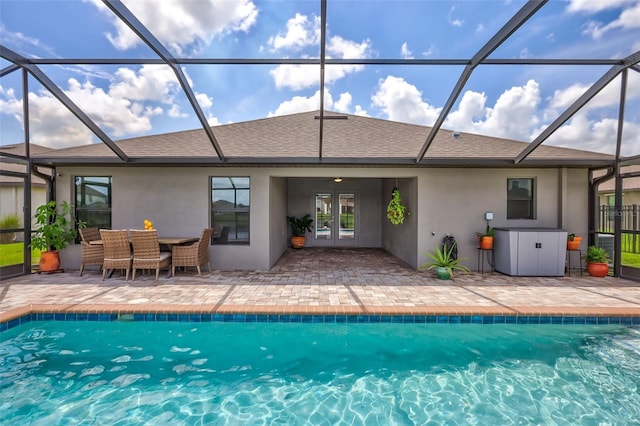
point(12, 187)
point(276, 167)
point(630, 189)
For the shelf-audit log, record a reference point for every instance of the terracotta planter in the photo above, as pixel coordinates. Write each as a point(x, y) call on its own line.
point(297, 242)
point(575, 244)
point(598, 269)
point(49, 261)
point(486, 243)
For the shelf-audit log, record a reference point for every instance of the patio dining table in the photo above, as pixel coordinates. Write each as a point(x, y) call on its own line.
point(167, 241)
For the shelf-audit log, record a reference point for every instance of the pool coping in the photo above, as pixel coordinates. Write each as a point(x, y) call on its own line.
point(321, 314)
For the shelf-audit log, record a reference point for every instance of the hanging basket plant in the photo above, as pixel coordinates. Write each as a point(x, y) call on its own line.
point(396, 210)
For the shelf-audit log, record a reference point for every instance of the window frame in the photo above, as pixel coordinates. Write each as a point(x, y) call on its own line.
point(512, 208)
point(81, 208)
point(237, 208)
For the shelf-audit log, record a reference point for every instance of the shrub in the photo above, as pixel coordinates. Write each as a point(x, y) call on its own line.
point(10, 221)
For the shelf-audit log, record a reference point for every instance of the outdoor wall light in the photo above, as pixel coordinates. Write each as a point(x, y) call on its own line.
point(337, 180)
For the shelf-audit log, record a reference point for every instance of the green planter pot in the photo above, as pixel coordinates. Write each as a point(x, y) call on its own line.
point(442, 273)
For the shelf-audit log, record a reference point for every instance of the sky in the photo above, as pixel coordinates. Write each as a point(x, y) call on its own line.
point(510, 101)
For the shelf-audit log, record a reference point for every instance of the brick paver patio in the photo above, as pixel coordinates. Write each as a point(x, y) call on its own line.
point(322, 281)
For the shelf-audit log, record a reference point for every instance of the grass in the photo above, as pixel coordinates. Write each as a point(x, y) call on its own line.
point(631, 259)
point(12, 254)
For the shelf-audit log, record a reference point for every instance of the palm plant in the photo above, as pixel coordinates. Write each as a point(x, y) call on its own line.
point(442, 258)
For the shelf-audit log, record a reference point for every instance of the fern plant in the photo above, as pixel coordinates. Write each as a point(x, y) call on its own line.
point(395, 209)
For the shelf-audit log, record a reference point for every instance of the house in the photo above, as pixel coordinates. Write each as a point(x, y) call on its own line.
point(12, 184)
point(630, 189)
point(279, 166)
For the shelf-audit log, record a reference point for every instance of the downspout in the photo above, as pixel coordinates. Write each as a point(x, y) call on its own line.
point(49, 180)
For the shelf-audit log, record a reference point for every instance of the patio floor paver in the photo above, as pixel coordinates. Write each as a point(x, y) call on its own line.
point(322, 281)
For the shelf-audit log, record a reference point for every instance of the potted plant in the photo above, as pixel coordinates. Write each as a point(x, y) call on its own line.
point(597, 261)
point(55, 231)
point(299, 226)
point(486, 238)
point(573, 242)
point(443, 263)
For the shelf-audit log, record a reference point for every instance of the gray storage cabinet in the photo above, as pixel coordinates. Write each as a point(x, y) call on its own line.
point(530, 251)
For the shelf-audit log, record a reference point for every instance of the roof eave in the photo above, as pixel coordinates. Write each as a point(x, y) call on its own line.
point(325, 161)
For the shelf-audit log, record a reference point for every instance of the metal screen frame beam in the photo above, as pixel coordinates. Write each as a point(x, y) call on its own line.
point(595, 88)
point(526, 12)
point(39, 75)
point(130, 20)
point(323, 52)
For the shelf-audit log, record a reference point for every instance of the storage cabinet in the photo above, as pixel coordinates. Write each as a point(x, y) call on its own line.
point(530, 251)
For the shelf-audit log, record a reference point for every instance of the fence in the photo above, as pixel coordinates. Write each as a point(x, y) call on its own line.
point(630, 225)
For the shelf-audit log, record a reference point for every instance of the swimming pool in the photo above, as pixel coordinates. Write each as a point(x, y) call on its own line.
point(55, 372)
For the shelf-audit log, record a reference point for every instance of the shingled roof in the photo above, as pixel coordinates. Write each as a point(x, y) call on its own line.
point(628, 184)
point(347, 139)
point(18, 150)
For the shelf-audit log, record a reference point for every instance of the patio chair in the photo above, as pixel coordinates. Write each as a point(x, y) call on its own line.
point(117, 251)
point(146, 252)
point(92, 254)
point(195, 254)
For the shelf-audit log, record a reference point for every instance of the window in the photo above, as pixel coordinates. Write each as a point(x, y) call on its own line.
point(520, 199)
point(93, 201)
point(230, 209)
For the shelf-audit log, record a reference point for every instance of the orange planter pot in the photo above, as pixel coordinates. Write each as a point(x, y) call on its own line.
point(297, 242)
point(575, 244)
point(49, 261)
point(598, 269)
point(486, 243)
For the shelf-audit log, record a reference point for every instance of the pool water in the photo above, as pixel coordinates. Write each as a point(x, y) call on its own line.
point(123, 373)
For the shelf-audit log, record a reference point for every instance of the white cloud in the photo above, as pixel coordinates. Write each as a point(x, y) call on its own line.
point(454, 21)
point(125, 107)
point(150, 82)
point(430, 51)
point(592, 127)
point(402, 101)
point(343, 103)
point(405, 52)
point(591, 6)
point(301, 32)
point(513, 115)
point(50, 124)
point(596, 135)
point(295, 77)
point(183, 25)
point(629, 18)
point(302, 104)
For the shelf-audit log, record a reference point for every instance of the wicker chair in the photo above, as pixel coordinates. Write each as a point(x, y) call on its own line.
point(193, 255)
point(117, 251)
point(92, 254)
point(146, 252)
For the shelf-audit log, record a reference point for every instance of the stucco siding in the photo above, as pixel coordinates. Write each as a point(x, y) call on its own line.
point(440, 202)
point(454, 202)
point(401, 240)
point(277, 218)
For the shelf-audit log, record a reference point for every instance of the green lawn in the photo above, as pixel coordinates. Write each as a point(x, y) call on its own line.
point(12, 254)
point(631, 259)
